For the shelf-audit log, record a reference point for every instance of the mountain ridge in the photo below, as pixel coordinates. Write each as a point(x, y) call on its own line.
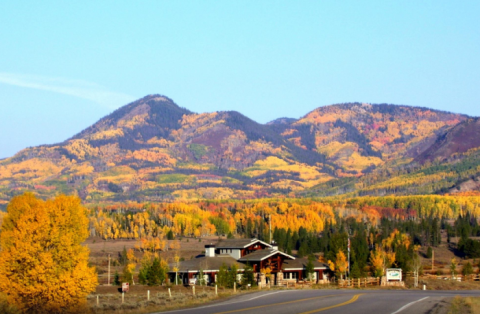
point(152, 149)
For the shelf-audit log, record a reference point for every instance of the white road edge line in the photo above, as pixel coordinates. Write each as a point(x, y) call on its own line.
point(225, 303)
point(407, 305)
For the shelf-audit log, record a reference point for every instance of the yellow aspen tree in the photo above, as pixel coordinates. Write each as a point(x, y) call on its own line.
point(341, 263)
point(331, 265)
point(43, 266)
point(377, 262)
point(176, 267)
point(267, 272)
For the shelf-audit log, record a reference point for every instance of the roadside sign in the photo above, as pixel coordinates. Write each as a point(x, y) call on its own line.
point(394, 274)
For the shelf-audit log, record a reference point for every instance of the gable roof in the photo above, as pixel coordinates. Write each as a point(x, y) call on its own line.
point(238, 243)
point(206, 264)
point(301, 263)
point(260, 255)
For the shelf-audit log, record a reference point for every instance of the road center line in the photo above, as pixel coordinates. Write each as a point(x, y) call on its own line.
point(276, 304)
point(227, 302)
point(355, 297)
point(407, 305)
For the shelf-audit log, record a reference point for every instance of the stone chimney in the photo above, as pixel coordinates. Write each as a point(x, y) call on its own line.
point(274, 246)
point(210, 250)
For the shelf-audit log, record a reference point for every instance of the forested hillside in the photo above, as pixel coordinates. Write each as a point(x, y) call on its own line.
point(154, 150)
point(384, 231)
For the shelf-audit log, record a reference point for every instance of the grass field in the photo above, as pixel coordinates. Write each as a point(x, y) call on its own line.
point(467, 305)
point(136, 300)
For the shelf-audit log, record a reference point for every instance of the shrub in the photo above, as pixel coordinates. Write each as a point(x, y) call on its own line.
point(467, 269)
point(429, 252)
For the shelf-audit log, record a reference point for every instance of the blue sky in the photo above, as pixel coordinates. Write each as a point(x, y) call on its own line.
point(66, 64)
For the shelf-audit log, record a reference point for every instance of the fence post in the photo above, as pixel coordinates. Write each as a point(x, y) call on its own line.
point(123, 297)
point(148, 295)
point(193, 289)
point(234, 287)
point(169, 293)
point(216, 290)
point(98, 301)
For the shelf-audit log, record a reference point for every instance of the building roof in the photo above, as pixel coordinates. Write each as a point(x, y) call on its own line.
point(301, 263)
point(206, 264)
point(260, 255)
point(238, 243)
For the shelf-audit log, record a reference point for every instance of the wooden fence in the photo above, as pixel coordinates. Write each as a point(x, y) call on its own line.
point(359, 282)
point(472, 277)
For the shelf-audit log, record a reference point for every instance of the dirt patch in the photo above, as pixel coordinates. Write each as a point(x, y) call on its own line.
point(442, 258)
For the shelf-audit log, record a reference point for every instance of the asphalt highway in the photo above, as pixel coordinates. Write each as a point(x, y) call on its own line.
point(334, 301)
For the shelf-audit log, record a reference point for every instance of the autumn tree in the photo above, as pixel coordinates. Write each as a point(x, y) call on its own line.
point(377, 261)
point(267, 272)
point(176, 267)
point(43, 266)
point(129, 267)
point(453, 267)
point(341, 264)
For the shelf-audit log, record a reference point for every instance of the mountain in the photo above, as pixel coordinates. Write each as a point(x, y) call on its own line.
point(154, 150)
point(459, 139)
point(360, 137)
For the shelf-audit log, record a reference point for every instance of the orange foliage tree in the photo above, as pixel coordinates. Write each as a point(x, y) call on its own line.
point(341, 263)
point(43, 266)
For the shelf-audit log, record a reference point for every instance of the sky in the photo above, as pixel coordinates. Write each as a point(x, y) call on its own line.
point(66, 64)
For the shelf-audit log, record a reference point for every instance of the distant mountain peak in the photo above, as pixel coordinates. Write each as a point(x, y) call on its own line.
point(155, 109)
point(283, 120)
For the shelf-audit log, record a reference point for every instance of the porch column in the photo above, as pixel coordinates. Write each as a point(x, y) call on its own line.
point(279, 277)
point(263, 280)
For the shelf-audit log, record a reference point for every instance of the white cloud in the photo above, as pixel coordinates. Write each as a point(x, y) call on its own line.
point(76, 88)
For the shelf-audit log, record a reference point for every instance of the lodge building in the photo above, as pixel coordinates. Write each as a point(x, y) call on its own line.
point(258, 254)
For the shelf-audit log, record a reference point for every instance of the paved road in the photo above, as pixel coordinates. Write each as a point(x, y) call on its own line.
point(334, 302)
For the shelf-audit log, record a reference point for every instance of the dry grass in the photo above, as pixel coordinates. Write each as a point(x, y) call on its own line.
point(443, 255)
point(464, 305)
point(440, 284)
point(136, 299)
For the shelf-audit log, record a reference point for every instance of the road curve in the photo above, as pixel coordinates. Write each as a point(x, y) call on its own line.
point(334, 302)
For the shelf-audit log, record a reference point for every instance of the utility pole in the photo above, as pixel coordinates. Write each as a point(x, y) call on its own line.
point(270, 223)
point(109, 269)
point(348, 255)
